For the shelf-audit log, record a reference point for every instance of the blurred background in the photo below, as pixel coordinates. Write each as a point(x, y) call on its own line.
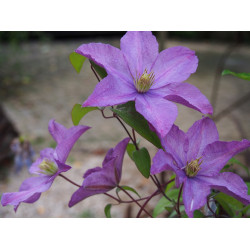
point(38, 83)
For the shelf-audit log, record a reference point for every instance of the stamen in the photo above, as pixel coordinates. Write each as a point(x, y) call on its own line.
point(193, 167)
point(144, 82)
point(48, 167)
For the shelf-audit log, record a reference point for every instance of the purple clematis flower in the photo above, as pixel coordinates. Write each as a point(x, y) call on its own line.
point(139, 73)
point(48, 166)
point(101, 180)
point(197, 158)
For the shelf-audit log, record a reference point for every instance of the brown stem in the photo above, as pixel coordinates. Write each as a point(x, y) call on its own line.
point(135, 201)
point(67, 179)
point(134, 142)
point(178, 201)
point(145, 203)
point(95, 73)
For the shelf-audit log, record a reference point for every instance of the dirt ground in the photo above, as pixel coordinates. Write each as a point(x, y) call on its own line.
point(53, 87)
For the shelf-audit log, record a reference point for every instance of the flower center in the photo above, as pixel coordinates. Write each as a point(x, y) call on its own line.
point(48, 167)
point(193, 167)
point(144, 82)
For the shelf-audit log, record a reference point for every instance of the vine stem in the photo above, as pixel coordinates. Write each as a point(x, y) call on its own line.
point(145, 203)
point(121, 201)
point(67, 179)
point(178, 201)
point(142, 208)
point(158, 191)
point(158, 184)
point(95, 73)
point(134, 142)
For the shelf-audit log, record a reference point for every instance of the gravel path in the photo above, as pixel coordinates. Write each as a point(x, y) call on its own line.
point(54, 88)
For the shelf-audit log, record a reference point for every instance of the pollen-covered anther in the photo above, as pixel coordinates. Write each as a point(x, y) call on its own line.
point(144, 82)
point(48, 167)
point(193, 167)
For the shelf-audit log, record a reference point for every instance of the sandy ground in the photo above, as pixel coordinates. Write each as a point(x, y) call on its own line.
point(54, 88)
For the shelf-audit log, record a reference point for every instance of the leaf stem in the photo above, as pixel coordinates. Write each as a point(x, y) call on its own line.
point(67, 179)
point(142, 208)
point(146, 202)
point(178, 201)
point(95, 72)
point(134, 142)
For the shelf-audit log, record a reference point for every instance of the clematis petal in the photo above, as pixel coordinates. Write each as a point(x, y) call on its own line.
point(117, 153)
point(194, 195)
point(174, 64)
point(111, 91)
point(82, 194)
point(187, 95)
point(176, 143)
point(217, 154)
point(62, 167)
point(140, 50)
point(229, 183)
point(202, 133)
point(69, 138)
point(163, 161)
point(57, 131)
point(159, 112)
point(91, 170)
point(108, 57)
point(29, 191)
point(100, 177)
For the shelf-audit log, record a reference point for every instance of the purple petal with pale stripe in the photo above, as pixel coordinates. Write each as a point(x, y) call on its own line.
point(140, 50)
point(159, 112)
point(117, 153)
point(202, 133)
point(82, 194)
point(68, 139)
point(217, 154)
point(194, 195)
point(187, 95)
point(101, 180)
point(163, 161)
point(174, 64)
point(111, 91)
point(108, 57)
point(29, 191)
point(176, 143)
point(229, 183)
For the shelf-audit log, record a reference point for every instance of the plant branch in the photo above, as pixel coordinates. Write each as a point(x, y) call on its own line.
point(67, 179)
point(178, 201)
point(142, 208)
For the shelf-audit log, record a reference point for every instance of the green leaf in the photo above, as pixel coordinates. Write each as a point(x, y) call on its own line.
point(248, 186)
point(244, 76)
point(171, 184)
point(164, 203)
point(130, 150)
point(78, 112)
point(245, 210)
point(100, 71)
point(128, 189)
point(107, 210)
point(142, 161)
point(135, 120)
point(229, 204)
point(198, 214)
point(235, 161)
point(225, 168)
point(77, 61)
